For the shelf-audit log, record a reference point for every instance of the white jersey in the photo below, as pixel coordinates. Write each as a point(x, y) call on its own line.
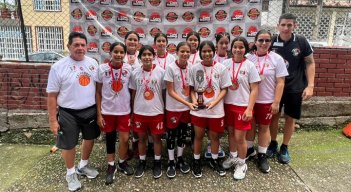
point(74, 81)
point(176, 75)
point(115, 101)
point(247, 74)
point(153, 106)
point(163, 62)
point(272, 66)
point(219, 59)
point(132, 60)
point(220, 79)
point(194, 59)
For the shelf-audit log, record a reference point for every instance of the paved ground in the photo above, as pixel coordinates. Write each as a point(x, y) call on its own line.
point(321, 162)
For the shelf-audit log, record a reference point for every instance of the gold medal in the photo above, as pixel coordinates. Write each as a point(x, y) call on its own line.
point(209, 92)
point(117, 86)
point(234, 86)
point(148, 95)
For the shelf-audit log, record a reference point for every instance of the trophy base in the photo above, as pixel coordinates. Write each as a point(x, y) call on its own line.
point(201, 107)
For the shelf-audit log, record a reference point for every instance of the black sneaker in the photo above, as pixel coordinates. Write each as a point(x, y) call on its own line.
point(250, 154)
point(182, 165)
point(196, 168)
point(171, 172)
point(157, 170)
point(262, 163)
point(139, 172)
point(272, 149)
point(217, 167)
point(125, 168)
point(110, 174)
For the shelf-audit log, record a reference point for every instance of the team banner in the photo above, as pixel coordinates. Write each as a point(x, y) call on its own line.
point(107, 21)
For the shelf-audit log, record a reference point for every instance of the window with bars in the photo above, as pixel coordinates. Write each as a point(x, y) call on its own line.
point(49, 38)
point(47, 5)
point(11, 42)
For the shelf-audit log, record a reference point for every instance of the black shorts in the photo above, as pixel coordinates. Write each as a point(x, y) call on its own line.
point(292, 104)
point(72, 122)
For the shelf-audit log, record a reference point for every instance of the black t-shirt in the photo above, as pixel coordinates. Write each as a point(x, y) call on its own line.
point(293, 51)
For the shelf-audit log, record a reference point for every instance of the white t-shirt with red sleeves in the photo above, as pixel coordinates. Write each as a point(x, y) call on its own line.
point(272, 66)
point(74, 81)
point(142, 106)
point(130, 58)
point(163, 62)
point(114, 101)
point(177, 76)
point(247, 74)
point(220, 80)
point(194, 59)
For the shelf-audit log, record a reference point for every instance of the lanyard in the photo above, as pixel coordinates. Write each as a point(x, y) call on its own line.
point(159, 62)
point(181, 74)
point(192, 63)
point(147, 81)
point(259, 65)
point(235, 77)
point(209, 79)
point(112, 74)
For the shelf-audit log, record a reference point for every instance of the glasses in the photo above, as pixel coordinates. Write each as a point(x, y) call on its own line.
point(264, 40)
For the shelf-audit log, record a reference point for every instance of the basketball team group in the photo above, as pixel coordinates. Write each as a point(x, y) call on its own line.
point(207, 88)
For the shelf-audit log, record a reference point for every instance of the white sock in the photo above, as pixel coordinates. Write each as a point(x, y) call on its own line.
point(171, 154)
point(135, 140)
point(241, 161)
point(121, 160)
point(234, 154)
point(112, 163)
point(83, 163)
point(71, 171)
point(180, 151)
point(262, 149)
point(214, 156)
point(158, 157)
point(250, 144)
point(142, 157)
point(196, 156)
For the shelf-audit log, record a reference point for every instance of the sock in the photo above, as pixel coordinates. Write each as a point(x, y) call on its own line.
point(83, 163)
point(112, 163)
point(142, 157)
point(234, 154)
point(180, 151)
point(250, 144)
point(158, 157)
point(135, 140)
point(120, 160)
point(241, 161)
point(262, 149)
point(196, 156)
point(214, 156)
point(170, 154)
point(71, 170)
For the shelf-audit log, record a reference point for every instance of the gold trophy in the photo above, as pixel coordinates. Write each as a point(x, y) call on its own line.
point(200, 99)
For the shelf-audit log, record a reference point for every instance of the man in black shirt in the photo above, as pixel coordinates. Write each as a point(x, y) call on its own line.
point(298, 56)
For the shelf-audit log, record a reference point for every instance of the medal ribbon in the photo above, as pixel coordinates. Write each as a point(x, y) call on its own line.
point(112, 74)
point(192, 63)
point(164, 63)
point(181, 74)
point(209, 79)
point(146, 81)
point(259, 64)
point(235, 77)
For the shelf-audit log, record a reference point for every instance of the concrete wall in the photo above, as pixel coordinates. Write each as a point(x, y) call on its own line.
point(23, 91)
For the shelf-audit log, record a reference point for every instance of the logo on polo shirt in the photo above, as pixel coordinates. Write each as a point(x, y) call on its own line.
point(296, 52)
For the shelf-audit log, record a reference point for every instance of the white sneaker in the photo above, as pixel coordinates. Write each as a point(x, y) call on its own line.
point(73, 182)
point(240, 171)
point(229, 162)
point(89, 172)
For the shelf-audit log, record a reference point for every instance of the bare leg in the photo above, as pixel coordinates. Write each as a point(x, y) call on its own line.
point(87, 147)
point(69, 156)
point(289, 129)
point(199, 135)
point(157, 144)
point(240, 138)
point(123, 144)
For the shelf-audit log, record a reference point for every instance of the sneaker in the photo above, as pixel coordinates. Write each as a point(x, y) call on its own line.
point(250, 154)
point(182, 165)
point(157, 170)
point(125, 168)
point(87, 171)
point(217, 167)
point(272, 149)
point(73, 182)
point(110, 174)
point(284, 156)
point(229, 162)
point(171, 172)
point(221, 153)
point(196, 169)
point(240, 171)
point(208, 154)
point(262, 163)
point(139, 172)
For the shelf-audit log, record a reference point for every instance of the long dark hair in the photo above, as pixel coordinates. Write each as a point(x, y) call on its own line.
point(144, 48)
point(242, 39)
